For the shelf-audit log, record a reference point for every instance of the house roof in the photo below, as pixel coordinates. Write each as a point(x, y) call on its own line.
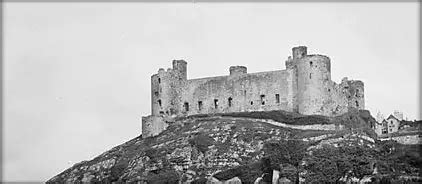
point(392, 117)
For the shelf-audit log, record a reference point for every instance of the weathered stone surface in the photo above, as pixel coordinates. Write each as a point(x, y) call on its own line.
point(196, 148)
point(305, 86)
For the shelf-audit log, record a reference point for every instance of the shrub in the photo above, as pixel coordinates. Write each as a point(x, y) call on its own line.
point(163, 177)
point(201, 142)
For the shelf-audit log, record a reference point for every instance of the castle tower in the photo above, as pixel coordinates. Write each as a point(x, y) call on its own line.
point(166, 87)
point(180, 69)
point(299, 52)
point(238, 70)
point(356, 96)
point(313, 74)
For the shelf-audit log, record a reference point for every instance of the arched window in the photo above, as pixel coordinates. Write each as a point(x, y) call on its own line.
point(230, 101)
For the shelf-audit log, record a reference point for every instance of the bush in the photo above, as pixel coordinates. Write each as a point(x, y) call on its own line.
point(163, 177)
point(201, 142)
point(247, 173)
point(117, 169)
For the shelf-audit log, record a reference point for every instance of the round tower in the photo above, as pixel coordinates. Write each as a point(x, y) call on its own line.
point(313, 75)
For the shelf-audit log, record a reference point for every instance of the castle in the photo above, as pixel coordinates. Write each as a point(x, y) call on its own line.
point(305, 86)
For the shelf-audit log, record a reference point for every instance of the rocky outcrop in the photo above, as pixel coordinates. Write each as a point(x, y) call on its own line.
point(215, 149)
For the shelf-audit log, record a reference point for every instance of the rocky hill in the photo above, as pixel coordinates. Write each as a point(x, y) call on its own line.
point(246, 147)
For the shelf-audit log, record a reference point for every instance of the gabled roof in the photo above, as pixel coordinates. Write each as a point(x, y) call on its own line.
point(392, 117)
point(384, 121)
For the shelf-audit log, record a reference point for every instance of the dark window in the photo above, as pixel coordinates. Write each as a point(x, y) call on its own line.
point(357, 93)
point(159, 80)
point(186, 105)
point(200, 105)
point(262, 99)
point(384, 131)
point(216, 103)
point(156, 93)
point(161, 112)
point(310, 76)
point(310, 64)
point(357, 103)
point(277, 98)
point(251, 102)
point(159, 102)
point(230, 101)
point(329, 90)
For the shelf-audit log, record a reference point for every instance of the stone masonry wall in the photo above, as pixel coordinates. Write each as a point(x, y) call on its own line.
point(153, 125)
point(305, 86)
point(238, 93)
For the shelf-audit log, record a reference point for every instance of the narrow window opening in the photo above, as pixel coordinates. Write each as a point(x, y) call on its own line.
point(230, 101)
point(310, 76)
point(251, 102)
point(277, 98)
point(262, 99)
point(244, 92)
point(186, 105)
point(357, 103)
point(200, 105)
point(357, 93)
point(159, 80)
point(310, 64)
point(216, 103)
point(159, 102)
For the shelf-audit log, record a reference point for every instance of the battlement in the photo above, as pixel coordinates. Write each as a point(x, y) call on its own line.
point(305, 87)
point(238, 70)
point(299, 52)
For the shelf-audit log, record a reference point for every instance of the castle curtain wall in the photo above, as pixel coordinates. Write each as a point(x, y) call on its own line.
point(238, 93)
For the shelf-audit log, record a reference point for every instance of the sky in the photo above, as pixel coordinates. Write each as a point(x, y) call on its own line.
point(76, 76)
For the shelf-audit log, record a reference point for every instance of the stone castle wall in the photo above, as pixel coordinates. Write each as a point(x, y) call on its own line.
point(153, 125)
point(305, 86)
point(238, 93)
